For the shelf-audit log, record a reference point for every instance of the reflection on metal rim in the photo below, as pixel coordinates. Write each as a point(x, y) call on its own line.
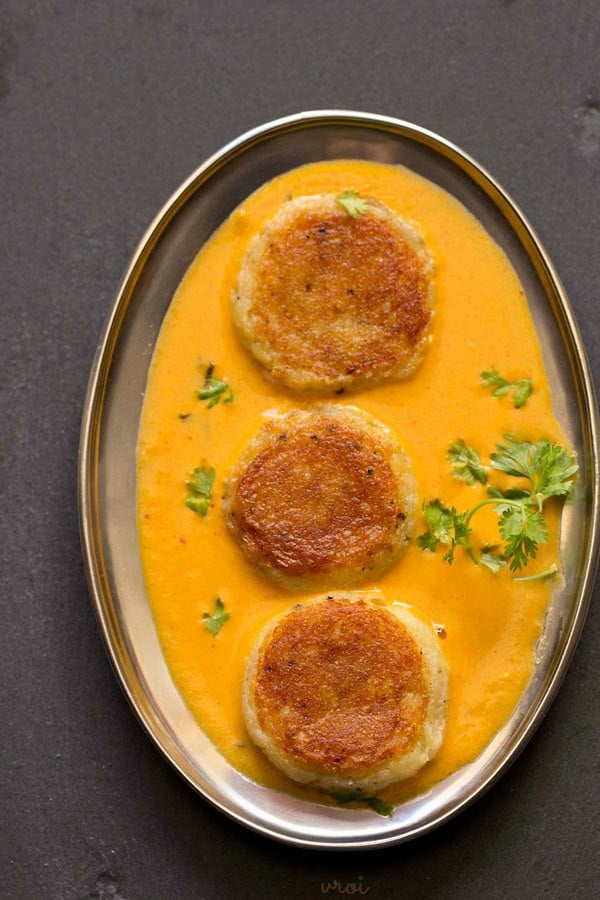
point(107, 465)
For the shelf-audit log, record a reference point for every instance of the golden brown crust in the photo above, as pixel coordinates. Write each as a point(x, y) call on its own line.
point(346, 694)
point(323, 495)
point(340, 687)
point(328, 301)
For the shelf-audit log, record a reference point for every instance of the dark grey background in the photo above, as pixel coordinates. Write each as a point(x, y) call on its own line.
point(104, 109)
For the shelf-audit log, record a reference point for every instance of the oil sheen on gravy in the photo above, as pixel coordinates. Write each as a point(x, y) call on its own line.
point(491, 623)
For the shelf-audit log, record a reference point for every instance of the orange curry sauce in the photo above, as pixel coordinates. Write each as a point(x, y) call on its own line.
point(490, 623)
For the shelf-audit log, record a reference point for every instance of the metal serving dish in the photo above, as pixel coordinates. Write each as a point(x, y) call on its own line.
point(107, 465)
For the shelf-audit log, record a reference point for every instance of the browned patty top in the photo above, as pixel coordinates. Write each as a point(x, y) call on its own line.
point(340, 686)
point(340, 296)
point(320, 497)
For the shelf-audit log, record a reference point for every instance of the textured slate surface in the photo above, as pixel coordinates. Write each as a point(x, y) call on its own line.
point(104, 109)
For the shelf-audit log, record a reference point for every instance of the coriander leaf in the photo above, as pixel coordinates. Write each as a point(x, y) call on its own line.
point(554, 471)
point(446, 526)
point(214, 389)
point(380, 806)
point(462, 533)
point(522, 392)
point(522, 388)
point(428, 541)
point(377, 804)
point(201, 481)
point(509, 493)
point(516, 458)
point(197, 504)
point(466, 463)
point(200, 486)
point(440, 521)
point(215, 622)
point(352, 203)
point(345, 796)
point(493, 379)
point(492, 560)
point(524, 529)
point(548, 467)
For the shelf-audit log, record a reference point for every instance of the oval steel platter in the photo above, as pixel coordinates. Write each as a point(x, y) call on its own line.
point(107, 465)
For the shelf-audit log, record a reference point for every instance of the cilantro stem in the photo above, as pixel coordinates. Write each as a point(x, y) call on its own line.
point(547, 573)
point(495, 501)
point(471, 553)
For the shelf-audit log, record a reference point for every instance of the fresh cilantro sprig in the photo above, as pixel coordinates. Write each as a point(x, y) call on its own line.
point(200, 486)
point(548, 469)
point(521, 389)
point(446, 526)
point(215, 622)
point(214, 390)
point(353, 203)
point(377, 804)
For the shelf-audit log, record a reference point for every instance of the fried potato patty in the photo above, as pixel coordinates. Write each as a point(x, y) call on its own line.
point(343, 693)
point(325, 300)
point(321, 497)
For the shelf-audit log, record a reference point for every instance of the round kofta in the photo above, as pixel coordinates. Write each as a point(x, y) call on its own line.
point(329, 299)
point(321, 497)
point(346, 693)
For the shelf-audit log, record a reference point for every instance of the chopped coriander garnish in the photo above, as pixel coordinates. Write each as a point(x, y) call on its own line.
point(215, 622)
point(491, 558)
point(200, 485)
point(466, 464)
point(521, 389)
point(446, 526)
point(214, 389)
point(548, 468)
point(377, 804)
point(352, 203)
point(440, 521)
